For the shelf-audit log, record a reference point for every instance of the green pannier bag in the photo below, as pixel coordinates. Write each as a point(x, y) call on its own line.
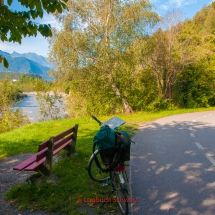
point(105, 138)
point(105, 142)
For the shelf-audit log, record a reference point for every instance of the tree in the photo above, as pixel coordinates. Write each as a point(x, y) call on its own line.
point(16, 24)
point(92, 50)
point(195, 86)
point(51, 105)
point(165, 54)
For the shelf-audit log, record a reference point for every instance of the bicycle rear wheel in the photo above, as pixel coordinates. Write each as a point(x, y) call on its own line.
point(95, 167)
point(121, 194)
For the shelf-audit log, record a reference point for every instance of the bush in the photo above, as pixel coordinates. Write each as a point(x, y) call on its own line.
point(9, 118)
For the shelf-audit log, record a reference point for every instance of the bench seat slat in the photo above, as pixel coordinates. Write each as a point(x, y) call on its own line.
point(25, 163)
point(34, 165)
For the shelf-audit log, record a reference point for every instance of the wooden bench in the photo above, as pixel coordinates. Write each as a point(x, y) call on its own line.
point(42, 161)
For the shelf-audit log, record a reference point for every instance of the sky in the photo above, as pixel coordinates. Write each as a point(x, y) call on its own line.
point(39, 44)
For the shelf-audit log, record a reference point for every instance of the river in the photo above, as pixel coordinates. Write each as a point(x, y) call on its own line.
point(30, 107)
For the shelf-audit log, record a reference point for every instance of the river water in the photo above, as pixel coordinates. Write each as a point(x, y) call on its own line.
point(30, 107)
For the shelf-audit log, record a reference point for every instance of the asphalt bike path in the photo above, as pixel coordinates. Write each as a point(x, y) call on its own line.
point(172, 167)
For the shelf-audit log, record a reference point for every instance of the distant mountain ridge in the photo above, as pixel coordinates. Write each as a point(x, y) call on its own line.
point(34, 57)
point(28, 63)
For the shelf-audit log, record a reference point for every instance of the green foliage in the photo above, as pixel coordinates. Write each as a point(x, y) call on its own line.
point(195, 87)
point(97, 60)
point(16, 24)
point(159, 104)
point(14, 75)
point(4, 61)
point(104, 78)
point(142, 91)
point(9, 118)
point(26, 82)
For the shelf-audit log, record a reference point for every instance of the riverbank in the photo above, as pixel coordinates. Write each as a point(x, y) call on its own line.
point(64, 95)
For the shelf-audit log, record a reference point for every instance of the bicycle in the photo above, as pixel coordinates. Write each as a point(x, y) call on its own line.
point(108, 166)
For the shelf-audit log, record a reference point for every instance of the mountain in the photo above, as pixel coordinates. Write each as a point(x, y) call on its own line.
point(34, 57)
point(28, 63)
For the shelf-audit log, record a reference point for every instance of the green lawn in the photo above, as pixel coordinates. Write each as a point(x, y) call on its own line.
point(74, 180)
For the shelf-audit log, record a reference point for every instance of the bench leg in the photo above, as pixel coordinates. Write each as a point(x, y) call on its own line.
point(46, 168)
point(71, 147)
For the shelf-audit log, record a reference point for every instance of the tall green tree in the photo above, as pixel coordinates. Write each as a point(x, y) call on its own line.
point(16, 24)
point(92, 50)
point(165, 55)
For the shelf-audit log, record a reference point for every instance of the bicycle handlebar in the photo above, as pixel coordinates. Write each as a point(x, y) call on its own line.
point(100, 123)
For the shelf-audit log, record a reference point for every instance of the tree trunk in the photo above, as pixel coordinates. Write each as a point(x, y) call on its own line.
point(127, 108)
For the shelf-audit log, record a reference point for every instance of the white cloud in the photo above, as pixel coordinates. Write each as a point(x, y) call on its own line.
point(181, 3)
point(164, 7)
point(49, 19)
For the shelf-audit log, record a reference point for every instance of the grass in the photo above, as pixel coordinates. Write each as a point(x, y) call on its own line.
point(74, 181)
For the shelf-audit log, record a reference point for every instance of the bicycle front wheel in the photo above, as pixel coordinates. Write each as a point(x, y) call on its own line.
point(95, 166)
point(121, 194)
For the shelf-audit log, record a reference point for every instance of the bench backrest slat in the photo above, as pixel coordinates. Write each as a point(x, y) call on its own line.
point(56, 138)
point(41, 154)
point(62, 141)
point(63, 134)
point(43, 145)
point(57, 144)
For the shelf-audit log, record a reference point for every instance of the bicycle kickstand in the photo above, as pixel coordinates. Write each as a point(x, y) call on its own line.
point(111, 193)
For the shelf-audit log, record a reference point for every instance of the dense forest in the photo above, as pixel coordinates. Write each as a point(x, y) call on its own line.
point(124, 57)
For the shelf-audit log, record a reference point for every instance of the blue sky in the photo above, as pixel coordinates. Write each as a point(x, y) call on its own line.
point(39, 44)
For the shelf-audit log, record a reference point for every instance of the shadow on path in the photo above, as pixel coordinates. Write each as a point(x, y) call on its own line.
point(169, 173)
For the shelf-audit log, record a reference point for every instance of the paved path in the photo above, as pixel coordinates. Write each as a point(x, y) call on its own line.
point(173, 166)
